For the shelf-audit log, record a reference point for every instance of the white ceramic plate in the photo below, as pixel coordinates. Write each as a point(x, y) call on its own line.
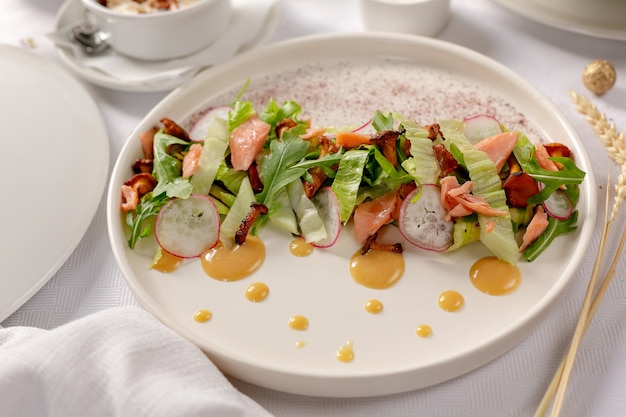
point(339, 81)
point(72, 11)
point(55, 165)
point(599, 18)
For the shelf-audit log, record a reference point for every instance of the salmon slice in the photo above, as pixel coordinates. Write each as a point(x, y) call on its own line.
point(373, 214)
point(351, 139)
point(450, 189)
point(313, 133)
point(246, 141)
point(479, 205)
point(190, 161)
point(538, 224)
point(542, 155)
point(498, 147)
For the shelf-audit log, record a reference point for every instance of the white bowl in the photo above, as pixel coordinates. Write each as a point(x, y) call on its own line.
point(163, 35)
point(415, 17)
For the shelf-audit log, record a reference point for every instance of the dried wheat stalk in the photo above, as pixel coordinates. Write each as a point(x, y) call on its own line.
point(614, 142)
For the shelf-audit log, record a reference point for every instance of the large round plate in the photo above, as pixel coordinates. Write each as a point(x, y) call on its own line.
point(598, 18)
point(342, 80)
point(56, 159)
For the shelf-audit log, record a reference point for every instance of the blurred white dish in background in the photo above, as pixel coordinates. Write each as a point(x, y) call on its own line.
point(416, 17)
point(163, 35)
point(599, 18)
point(115, 71)
point(55, 170)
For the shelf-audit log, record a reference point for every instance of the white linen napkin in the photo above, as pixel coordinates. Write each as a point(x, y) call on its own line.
point(116, 362)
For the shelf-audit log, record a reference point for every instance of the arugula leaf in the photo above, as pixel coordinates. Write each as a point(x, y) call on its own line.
point(325, 163)
point(274, 170)
point(242, 110)
point(273, 114)
point(168, 169)
point(148, 207)
point(555, 228)
point(570, 174)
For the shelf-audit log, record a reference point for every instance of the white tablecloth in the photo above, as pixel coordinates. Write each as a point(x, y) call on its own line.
point(512, 385)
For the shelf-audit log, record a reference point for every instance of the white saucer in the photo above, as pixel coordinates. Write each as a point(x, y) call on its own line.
point(72, 11)
point(599, 18)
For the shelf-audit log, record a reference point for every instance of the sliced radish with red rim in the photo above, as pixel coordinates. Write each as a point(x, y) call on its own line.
point(188, 227)
point(480, 127)
point(423, 222)
point(558, 205)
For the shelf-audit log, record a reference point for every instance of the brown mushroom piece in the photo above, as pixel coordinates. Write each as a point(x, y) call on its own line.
point(446, 161)
point(256, 209)
point(317, 174)
point(386, 141)
point(135, 188)
point(371, 243)
point(519, 186)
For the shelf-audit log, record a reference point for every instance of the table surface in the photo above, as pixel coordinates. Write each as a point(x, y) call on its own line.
point(511, 385)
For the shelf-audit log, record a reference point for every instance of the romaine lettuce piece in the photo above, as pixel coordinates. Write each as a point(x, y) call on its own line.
point(482, 171)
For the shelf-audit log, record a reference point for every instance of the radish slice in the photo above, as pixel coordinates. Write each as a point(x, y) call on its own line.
point(188, 227)
point(199, 130)
point(558, 205)
point(480, 127)
point(423, 222)
point(364, 126)
point(327, 206)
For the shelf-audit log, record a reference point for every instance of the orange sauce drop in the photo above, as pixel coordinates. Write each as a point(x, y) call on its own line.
point(167, 262)
point(300, 344)
point(493, 276)
point(257, 292)
point(202, 316)
point(299, 247)
point(423, 330)
point(377, 269)
point(374, 306)
point(298, 323)
point(236, 263)
point(451, 301)
point(345, 352)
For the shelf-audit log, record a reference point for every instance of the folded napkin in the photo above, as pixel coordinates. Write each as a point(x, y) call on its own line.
point(117, 362)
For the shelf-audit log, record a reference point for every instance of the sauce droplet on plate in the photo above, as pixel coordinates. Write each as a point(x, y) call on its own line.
point(257, 292)
point(299, 323)
point(377, 269)
point(202, 316)
point(345, 352)
point(493, 276)
point(423, 330)
point(236, 263)
point(167, 262)
point(299, 247)
point(374, 306)
point(451, 301)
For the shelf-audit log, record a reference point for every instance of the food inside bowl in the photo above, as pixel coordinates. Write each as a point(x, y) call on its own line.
point(145, 6)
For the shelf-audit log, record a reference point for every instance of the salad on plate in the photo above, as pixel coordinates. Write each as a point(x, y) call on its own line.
point(445, 185)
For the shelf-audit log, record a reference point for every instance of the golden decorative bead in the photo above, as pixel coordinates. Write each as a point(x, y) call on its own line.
point(599, 76)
